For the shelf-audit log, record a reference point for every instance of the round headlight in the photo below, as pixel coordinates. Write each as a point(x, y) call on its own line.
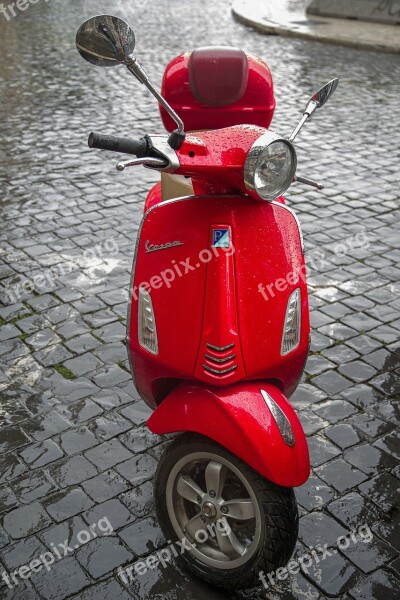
point(270, 166)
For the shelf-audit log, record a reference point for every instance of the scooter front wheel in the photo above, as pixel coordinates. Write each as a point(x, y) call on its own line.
point(226, 522)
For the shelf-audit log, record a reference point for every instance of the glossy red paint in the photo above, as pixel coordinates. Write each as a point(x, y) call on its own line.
point(256, 105)
point(220, 311)
point(214, 163)
point(153, 197)
point(203, 295)
point(215, 160)
point(239, 419)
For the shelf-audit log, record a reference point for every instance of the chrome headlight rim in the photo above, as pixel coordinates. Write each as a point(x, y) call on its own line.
point(255, 153)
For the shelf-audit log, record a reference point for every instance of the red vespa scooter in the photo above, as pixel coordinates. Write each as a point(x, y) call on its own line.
point(218, 322)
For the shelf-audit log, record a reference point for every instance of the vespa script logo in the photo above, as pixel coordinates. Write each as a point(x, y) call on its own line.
point(154, 247)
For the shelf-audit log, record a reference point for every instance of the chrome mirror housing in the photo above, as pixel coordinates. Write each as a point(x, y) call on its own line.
point(106, 41)
point(325, 93)
point(317, 100)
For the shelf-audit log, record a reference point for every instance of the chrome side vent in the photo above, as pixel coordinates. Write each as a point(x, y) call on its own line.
point(218, 364)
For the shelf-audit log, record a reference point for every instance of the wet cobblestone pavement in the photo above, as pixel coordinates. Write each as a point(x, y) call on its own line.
point(74, 447)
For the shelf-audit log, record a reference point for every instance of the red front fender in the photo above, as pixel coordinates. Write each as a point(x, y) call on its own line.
point(238, 418)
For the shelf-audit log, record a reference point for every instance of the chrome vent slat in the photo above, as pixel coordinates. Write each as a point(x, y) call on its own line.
point(219, 348)
point(219, 360)
point(219, 371)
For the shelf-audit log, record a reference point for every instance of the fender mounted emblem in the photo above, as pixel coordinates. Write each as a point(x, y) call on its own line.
point(153, 247)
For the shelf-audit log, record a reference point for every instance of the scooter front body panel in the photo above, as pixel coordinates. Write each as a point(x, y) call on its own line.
point(203, 260)
point(240, 420)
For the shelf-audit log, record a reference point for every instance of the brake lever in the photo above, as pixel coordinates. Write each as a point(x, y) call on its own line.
point(147, 161)
point(310, 182)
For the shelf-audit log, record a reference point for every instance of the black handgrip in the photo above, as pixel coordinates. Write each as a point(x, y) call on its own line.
point(118, 144)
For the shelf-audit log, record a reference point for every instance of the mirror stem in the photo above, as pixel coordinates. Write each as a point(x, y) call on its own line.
point(299, 126)
point(177, 136)
point(165, 104)
point(311, 107)
point(135, 68)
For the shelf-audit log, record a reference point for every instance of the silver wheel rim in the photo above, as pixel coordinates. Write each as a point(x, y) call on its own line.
point(213, 510)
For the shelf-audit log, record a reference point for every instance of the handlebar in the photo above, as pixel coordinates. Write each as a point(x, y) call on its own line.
point(118, 144)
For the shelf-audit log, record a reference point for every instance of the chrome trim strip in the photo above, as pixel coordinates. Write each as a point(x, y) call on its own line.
point(281, 419)
point(296, 218)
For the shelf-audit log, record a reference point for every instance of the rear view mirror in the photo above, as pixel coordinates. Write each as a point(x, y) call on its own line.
point(318, 100)
point(106, 41)
point(325, 93)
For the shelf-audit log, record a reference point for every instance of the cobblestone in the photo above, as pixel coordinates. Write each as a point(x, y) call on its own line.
point(39, 455)
point(65, 578)
point(335, 575)
point(72, 471)
point(25, 520)
point(143, 537)
point(105, 486)
point(8, 499)
point(22, 552)
point(103, 556)
point(108, 454)
point(68, 504)
point(67, 530)
point(353, 510)
point(74, 443)
point(34, 486)
point(117, 514)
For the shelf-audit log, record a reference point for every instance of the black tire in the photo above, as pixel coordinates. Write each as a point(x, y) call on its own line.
point(277, 508)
